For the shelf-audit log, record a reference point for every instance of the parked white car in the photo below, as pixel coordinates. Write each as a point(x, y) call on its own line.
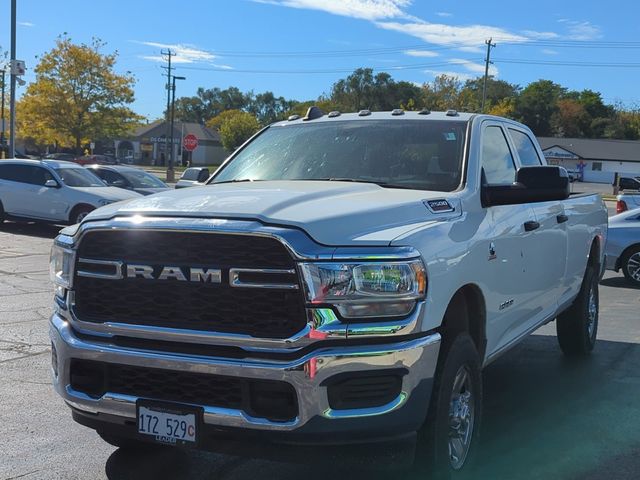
point(52, 191)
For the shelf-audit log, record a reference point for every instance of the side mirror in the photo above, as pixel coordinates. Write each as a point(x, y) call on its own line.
point(533, 184)
point(203, 175)
point(51, 184)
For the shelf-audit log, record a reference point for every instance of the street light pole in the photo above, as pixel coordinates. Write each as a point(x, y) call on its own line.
point(12, 101)
point(170, 171)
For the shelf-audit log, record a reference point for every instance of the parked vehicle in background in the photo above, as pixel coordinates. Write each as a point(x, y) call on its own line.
point(629, 183)
point(336, 288)
point(623, 245)
point(193, 177)
point(574, 175)
point(52, 191)
point(68, 157)
point(627, 201)
point(96, 159)
point(130, 178)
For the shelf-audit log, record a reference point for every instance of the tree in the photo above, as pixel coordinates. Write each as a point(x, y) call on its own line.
point(77, 97)
point(442, 94)
point(235, 128)
point(497, 92)
point(537, 104)
point(571, 119)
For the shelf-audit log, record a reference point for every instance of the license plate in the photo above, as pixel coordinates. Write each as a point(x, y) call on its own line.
point(173, 425)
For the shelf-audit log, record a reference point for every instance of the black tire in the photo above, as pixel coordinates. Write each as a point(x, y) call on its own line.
point(630, 264)
point(1, 214)
point(577, 327)
point(433, 455)
point(78, 213)
point(129, 444)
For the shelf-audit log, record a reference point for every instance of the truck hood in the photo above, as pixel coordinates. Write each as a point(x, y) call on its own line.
point(332, 213)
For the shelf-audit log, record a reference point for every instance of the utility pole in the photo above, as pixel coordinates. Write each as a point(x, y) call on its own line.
point(168, 144)
point(12, 101)
point(487, 61)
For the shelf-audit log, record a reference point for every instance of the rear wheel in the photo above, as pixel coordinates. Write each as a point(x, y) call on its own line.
point(1, 213)
point(453, 422)
point(630, 264)
point(577, 327)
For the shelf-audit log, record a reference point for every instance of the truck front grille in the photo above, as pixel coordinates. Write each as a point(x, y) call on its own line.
point(207, 306)
point(273, 400)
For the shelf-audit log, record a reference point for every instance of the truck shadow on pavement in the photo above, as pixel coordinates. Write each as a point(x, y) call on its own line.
point(618, 282)
point(42, 230)
point(545, 417)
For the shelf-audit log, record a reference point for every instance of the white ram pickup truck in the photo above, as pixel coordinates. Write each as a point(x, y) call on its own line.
point(335, 289)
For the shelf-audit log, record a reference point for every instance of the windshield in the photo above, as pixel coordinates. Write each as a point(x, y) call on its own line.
point(140, 179)
point(425, 155)
point(79, 177)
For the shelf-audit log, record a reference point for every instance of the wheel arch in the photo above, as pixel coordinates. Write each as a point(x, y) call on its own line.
point(466, 312)
point(77, 207)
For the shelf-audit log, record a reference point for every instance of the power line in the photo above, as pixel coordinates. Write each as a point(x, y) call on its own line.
point(568, 63)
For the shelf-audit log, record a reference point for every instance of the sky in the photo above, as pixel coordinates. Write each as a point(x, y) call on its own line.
point(299, 48)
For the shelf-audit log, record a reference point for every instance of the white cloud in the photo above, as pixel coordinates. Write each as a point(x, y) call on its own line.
point(473, 66)
point(183, 53)
point(26, 24)
point(549, 51)
point(540, 35)
point(450, 35)
point(364, 9)
point(580, 30)
point(421, 53)
point(444, 14)
point(460, 76)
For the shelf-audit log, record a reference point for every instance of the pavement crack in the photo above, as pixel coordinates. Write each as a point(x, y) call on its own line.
point(24, 356)
point(24, 474)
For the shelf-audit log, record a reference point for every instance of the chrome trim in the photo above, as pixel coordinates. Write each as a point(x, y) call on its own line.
point(306, 374)
point(297, 242)
point(367, 412)
point(234, 278)
point(116, 264)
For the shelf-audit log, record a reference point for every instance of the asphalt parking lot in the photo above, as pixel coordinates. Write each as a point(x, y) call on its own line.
point(545, 417)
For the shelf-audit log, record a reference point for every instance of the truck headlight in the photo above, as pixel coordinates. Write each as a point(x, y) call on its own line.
point(61, 265)
point(385, 289)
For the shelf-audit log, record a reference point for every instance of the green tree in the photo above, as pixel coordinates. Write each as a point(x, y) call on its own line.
point(497, 92)
point(77, 97)
point(235, 128)
point(537, 104)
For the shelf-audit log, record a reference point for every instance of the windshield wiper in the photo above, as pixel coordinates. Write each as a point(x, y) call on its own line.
point(356, 180)
point(235, 180)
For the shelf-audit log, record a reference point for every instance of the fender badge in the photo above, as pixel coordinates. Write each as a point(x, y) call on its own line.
point(439, 206)
point(492, 251)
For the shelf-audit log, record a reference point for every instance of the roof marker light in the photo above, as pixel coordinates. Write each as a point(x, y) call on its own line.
point(424, 111)
point(364, 113)
point(397, 111)
point(293, 117)
point(452, 113)
point(333, 114)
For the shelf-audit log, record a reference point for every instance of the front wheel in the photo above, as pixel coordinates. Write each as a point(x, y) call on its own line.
point(630, 263)
point(449, 435)
point(577, 327)
point(78, 214)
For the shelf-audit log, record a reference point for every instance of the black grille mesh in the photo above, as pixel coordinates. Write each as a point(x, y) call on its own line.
point(271, 399)
point(189, 305)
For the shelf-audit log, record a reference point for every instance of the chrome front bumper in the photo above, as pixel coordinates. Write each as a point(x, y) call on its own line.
point(306, 374)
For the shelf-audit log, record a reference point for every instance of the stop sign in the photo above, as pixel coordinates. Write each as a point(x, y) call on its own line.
point(190, 142)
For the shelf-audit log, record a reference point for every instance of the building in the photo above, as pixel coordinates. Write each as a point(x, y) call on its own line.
point(147, 145)
point(598, 159)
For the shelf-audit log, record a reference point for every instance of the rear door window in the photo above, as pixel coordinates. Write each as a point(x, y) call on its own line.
point(16, 173)
point(526, 148)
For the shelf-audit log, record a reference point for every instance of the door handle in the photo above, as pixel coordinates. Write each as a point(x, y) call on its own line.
point(531, 225)
point(562, 218)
